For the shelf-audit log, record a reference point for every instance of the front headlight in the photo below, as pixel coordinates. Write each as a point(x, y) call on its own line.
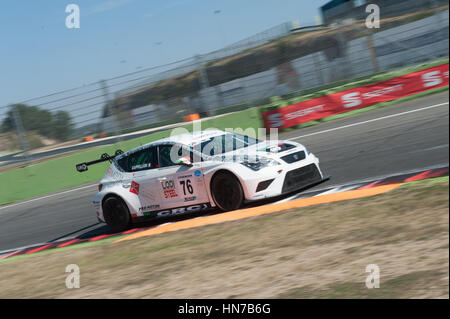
point(260, 163)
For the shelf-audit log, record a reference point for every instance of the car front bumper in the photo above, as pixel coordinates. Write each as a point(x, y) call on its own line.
point(283, 179)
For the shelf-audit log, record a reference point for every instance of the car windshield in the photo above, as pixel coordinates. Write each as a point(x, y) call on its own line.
point(224, 143)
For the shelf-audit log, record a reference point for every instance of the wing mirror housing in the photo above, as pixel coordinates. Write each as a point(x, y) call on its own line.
point(184, 161)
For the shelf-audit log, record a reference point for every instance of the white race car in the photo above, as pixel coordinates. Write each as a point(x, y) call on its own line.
point(195, 171)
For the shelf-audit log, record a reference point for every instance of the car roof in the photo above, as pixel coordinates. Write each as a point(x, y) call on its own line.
point(186, 139)
point(191, 137)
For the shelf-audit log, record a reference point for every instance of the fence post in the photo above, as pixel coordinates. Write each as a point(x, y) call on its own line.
point(21, 132)
point(343, 46)
point(436, 14)
point(373, 56)
point(204, 82)
point(110, 109)
point(318, 68)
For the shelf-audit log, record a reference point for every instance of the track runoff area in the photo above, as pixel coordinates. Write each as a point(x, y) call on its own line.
point(365, 155)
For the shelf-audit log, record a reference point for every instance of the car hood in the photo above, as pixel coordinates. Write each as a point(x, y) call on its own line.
point(264, 149)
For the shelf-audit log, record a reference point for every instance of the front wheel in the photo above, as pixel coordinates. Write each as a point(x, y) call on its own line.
point(227, 191)
point(116, 214)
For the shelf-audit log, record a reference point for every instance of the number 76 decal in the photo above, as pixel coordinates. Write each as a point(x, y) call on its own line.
point(187, 184)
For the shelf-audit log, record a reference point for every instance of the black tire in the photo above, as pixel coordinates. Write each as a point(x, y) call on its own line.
point(226, 191)
point(116, 214)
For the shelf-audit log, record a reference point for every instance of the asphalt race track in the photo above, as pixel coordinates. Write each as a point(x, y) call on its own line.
point(400, 138)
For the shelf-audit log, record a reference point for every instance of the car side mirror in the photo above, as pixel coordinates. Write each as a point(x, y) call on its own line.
point(184, 161)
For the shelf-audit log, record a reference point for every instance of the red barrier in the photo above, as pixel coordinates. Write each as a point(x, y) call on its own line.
point(356, 98)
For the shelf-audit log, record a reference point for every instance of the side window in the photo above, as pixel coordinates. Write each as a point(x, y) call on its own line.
point(165, 158)
point(214, 146)
point(142, 160)
point(123, 163)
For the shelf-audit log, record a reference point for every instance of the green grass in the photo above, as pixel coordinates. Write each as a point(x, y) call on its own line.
point(58, 174)
point(427, 182)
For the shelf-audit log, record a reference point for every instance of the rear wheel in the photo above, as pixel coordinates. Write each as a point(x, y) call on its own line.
point(227, 191)
point(116, 214)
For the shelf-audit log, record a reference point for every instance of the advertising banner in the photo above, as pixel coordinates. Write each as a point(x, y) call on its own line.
point(356, 98)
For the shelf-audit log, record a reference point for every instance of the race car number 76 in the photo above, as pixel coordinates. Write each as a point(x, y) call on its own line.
point(187, 184)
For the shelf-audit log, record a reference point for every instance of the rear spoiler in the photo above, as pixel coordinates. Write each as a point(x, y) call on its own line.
point(83, 167)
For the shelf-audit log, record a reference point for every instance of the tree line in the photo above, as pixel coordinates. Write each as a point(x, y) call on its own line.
point(56, 125)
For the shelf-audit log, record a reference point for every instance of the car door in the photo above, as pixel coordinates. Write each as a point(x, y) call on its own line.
point(180, 185)
point(142, 183)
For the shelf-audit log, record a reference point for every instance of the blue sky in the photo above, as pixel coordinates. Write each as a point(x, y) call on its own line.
point(39, 55)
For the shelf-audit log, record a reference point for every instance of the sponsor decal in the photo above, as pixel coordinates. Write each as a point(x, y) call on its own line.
point(275, 120)
point(351, 99)
point(134, 188)
point(170, 193)
point(169, 189)
point(116, 175)
point(300, 113)
point(184, 176)
point(198, 173)
point(141, 166)
point(433, 78)
point(381, 92)
point(274, 149)
point(271, 149)
point(188, 199)
point(356, 98)
point(170, 184)
point(149, 208)
point(113, 173)
point(182, 210)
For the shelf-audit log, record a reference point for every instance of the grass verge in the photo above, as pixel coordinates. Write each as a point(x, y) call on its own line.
point(316, 252)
